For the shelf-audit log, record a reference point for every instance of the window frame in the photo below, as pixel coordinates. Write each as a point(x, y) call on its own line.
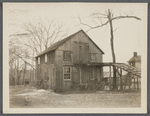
point(67, 73)
point(65, 59)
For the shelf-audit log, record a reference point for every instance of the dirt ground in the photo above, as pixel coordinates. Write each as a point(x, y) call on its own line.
point(30, 97)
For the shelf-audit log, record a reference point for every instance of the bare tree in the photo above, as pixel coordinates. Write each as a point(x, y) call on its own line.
point(39, 36)
point(17, 55)
point(110, 18)
point(35, 38)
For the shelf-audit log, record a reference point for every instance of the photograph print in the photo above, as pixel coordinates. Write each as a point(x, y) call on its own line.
point(85, 57)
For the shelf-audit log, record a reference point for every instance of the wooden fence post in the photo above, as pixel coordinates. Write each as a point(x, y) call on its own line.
point(134, 81)
point(137, 83)
point(121, 87)
point(129, 81)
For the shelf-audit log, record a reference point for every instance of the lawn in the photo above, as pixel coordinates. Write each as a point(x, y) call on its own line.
point(30, 97)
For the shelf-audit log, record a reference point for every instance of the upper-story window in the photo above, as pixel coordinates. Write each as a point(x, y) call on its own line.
point(38, 60)
point(87, 52)
point(67, 56)
point(45, 57)
point(93, 57)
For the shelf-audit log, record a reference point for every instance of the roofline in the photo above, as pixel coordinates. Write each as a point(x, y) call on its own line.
point(44, 53)
point(69, 39)
point(134, 57)
point(59, 45)
point(92, 41)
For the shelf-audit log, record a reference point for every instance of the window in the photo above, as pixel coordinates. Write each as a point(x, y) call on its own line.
point(86, 52)
point(67, 56)
point(38, 60)
point(93, 74)
point(93, 57)
point(45, 57)
point(67, 73)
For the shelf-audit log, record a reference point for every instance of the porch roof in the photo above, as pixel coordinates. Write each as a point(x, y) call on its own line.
point(123, 66)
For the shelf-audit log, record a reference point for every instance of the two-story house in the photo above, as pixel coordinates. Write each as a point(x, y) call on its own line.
point(65, 63)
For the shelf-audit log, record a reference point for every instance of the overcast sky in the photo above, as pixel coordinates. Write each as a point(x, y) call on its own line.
point(128, 37)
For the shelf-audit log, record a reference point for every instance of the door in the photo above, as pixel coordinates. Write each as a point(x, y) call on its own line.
point(51, 76)
point(86, 73)
point(75, 76)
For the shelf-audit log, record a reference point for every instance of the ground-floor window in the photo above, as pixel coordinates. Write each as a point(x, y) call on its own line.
point(67, 73)
point(93, 74)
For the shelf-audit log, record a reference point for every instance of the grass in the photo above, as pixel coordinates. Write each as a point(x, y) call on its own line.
point(29, 97)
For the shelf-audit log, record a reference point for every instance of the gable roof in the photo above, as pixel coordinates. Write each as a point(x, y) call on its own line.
point(59, 43)
point(135, 59)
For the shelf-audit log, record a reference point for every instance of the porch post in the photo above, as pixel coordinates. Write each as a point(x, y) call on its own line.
point(110, 77)
point(137, 83)
point(129, 80)
point(80, 75)
point(121, 79)
point(134, 81)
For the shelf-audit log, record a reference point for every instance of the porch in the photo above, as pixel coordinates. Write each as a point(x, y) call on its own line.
point(129, 81)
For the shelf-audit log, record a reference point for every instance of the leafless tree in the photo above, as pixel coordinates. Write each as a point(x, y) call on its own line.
point(109, 16)
point(40, 36)
point(35, 38)
point(16, 56)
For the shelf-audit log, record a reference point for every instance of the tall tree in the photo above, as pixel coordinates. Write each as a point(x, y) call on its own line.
point(109, 16)
point(17, 56)
point(35, 38)
point(39, 36)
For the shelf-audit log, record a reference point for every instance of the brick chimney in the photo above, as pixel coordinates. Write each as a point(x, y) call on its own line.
point(134, 54)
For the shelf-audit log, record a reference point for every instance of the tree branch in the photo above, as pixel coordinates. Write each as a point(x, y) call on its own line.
point(23, 60)
point(115, 18)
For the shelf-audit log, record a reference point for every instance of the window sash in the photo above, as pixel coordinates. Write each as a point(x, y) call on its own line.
point(67, 73)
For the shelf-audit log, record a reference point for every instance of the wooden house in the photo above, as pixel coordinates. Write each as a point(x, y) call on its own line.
point(135, 60)
point(65, 64)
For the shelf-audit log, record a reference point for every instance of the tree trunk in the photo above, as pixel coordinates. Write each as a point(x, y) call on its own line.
point(112, 50)
point(24, 74)
point(121, 87)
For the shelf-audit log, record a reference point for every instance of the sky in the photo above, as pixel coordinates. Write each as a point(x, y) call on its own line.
point(129, 35)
